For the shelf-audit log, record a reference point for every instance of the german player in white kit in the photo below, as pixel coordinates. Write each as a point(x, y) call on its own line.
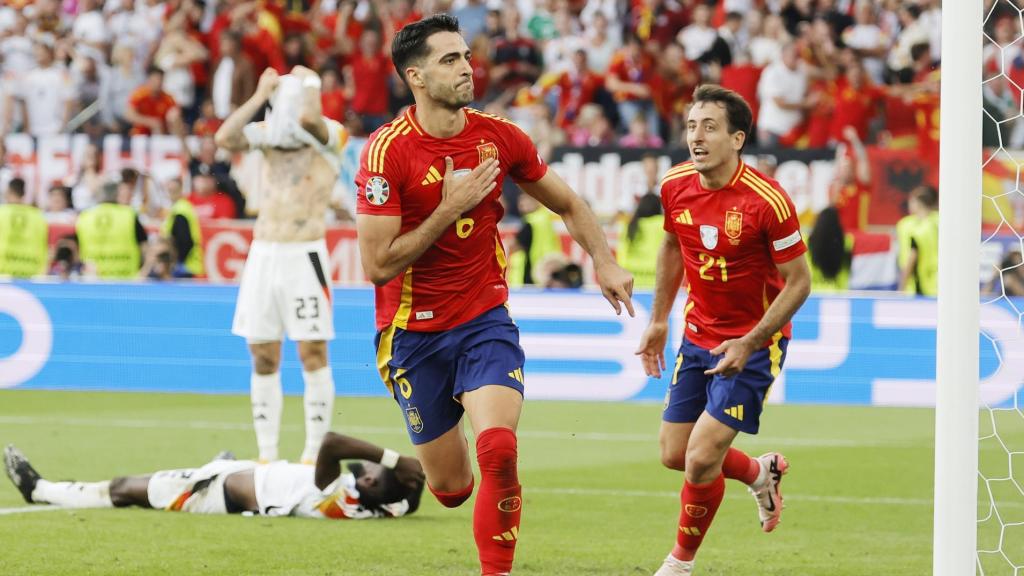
point(380, 483)
point(285, 286)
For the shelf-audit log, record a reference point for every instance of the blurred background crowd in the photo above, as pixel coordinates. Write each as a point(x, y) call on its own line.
point(820, 74)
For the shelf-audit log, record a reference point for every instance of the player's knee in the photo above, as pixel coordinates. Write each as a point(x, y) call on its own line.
point(673, 459)
point(497, 454)
point(453, 498)
point(120, 492)
point(313, 355)
point(264, 365)
point(700, 460)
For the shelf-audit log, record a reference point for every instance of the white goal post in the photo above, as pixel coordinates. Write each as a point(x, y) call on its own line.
point(957, 364)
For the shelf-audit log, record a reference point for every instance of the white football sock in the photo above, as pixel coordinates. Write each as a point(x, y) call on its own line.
point(267, 400)
point(74, 494)
point(319, 404)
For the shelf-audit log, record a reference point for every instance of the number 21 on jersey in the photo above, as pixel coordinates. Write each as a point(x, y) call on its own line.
point(708, 262)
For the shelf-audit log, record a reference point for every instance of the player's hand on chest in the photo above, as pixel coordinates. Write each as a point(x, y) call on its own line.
point(427, 183)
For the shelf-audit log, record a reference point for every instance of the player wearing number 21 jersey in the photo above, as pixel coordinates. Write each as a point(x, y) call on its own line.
point(734, 235)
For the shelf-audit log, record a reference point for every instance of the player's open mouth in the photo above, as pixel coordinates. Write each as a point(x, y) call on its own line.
point(699, 153)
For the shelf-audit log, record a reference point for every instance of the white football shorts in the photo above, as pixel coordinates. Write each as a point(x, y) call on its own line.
point(194, 490)
point(285, 289)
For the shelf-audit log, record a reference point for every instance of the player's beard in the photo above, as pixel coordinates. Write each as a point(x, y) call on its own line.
point(454, 98)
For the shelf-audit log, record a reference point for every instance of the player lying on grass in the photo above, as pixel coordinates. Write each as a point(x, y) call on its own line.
point(380, 483)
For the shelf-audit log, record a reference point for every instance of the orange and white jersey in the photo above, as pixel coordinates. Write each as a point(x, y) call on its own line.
point(285, 489)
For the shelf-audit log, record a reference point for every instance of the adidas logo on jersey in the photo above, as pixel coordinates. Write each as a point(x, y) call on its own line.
point(432, 176)
point(684, 217)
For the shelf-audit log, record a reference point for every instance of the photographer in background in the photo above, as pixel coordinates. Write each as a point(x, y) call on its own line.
point(162, 262)
point(66, 264)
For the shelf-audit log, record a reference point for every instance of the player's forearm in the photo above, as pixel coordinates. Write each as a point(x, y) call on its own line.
point(781, 311)
point(229, 135)
point(407, 248)
point(667, 278)
point(338, 447)
point(585, 230)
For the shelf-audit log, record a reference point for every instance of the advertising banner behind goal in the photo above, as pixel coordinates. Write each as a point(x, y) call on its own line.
point(176, 338)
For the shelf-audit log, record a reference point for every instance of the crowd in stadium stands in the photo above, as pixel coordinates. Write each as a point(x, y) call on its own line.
point(819, 73)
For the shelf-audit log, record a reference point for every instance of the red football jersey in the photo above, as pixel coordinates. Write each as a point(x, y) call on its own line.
point(731, 240)
point(463, 274)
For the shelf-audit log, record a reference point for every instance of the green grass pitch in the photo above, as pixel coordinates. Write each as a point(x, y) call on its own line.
point(597, 501)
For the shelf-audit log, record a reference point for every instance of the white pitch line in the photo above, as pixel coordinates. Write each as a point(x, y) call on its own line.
point(529, 434)
point(790, 498)
point(29, 509)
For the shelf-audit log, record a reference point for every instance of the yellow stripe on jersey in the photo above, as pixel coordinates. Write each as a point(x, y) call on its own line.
point(679, 365)
point(769, 199)
point(491, 116)
point(768, 188)
point(375, 145)
point(387, 337)
point(669, 178)
point(686, 166)
point(377, 160)
point(770, 195)
point(769, 192)
point(739, 172)
point(405, 303)
point(775, 361)
point(412, 122)
point(384, 354)
point(775, 355)
point(400, 131)
point(499, 253)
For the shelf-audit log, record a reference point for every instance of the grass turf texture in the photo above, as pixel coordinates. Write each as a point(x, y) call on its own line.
point(597, 500)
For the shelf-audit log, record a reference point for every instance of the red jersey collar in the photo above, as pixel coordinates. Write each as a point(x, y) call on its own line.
point(410, 117)
point(732, 181)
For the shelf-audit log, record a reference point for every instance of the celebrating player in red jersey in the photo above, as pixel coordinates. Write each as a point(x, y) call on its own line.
point(429, 187)
point(736, 236)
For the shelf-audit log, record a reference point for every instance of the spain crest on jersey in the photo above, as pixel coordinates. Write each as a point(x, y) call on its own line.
point(733, 224)
point(415, 422)
point(488, 150)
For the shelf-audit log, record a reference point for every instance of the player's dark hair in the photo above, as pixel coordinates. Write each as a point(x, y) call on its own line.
point(737, 111)
point(926, 195)
point(410, 44)
point(649, 205)
point(17, 187)
point(390, 490)
point(827, 244)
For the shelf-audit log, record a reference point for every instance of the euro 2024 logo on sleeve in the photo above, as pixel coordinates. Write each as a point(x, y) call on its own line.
point(36, 329)
point(377, 190)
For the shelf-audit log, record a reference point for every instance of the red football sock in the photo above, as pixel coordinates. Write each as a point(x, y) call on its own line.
point(498, 502)
point(453, 499)
point(700, 502)
point(739, 466)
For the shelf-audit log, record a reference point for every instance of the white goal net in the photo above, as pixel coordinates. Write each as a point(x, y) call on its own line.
point(1000, 532)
